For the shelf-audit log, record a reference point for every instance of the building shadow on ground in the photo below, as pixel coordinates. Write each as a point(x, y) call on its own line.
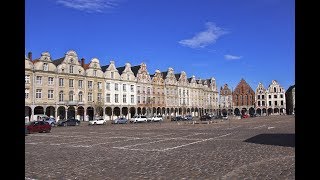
point(287, 140)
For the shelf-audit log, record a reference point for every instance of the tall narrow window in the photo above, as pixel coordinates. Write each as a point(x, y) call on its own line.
point(138, 99)
point(45, 66)
point(89, 97)
point(39, 79)
point(71, 96)
point(71, 69)
point(27, 79)
point(124, 87)
point(50, 80)
point(276, 103)
point(99, 85)
point(60, 96)
point(90, 84)
point(132, 88)
point(116, 87)
point(26, 93)
point(80, 96)
point(38, 93)
point(116, 98)
point(108, 97)
point(80, 84)
point(269, 103)
point(132, 99)
point(108, 86)
point(61, 82)
point(70, 82)
point(112, 75)
point(274, 89)
point(124, 98)
point(281, 103)
point(94, 72)
point(138, 89)
point(50, 94)
point(99, 97)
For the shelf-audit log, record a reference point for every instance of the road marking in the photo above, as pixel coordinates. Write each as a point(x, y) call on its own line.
point(258, 127)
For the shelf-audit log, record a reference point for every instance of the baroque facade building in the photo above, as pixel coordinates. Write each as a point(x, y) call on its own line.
point(225, 100)
point(276, 99)
point(261, 100)
point(291, 100)
point(67, 87)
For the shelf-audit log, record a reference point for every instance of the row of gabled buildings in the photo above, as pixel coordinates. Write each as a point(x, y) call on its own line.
point(69, 87)
point(273, 100)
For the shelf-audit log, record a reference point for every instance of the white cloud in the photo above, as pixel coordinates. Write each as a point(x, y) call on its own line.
point(231, 57)
point(204, 38)
point(89, 5)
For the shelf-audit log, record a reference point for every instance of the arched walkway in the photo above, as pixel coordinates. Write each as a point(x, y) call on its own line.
point(50, 111)
point(108, 112)
point(259, 111)
point(237, 112)
point(251, 111)
point(71, 112)
point(38, 110)
point(90, 113)
point(132, 112)
point(80, 113)
point(27, 113)
point(61, 113)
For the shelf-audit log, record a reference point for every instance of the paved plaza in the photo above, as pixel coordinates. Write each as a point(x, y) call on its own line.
point(251, 148)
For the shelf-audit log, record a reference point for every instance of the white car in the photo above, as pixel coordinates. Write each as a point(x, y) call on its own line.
point(157, 118)
point(97, 121)
point(136, 119)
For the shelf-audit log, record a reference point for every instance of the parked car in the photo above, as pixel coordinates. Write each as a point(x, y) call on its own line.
point(188, 117)
point(138, 118)
point(37, 126)
point(177, 118)
point(51, 121)
point(68, 122)
point(96, 121)
point(120, 120)
point(245, 116)
point(205, 117)
point(157, 118)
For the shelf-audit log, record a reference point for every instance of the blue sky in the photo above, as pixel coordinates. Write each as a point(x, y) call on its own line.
point(224, 39)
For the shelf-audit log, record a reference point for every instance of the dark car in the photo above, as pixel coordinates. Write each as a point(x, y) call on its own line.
point(120, 120)
point(37, 126)
point(69, 122)
point(205, 118)
point(177, 118)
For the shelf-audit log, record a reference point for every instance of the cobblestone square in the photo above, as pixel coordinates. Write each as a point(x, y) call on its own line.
point(251, 148)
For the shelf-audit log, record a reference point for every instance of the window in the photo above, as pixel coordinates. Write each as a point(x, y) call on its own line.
point(281, 95)
point(50, 94)
point(269, 96)
point(269, 103)
point(132, 98)
point(179, 92)
point(99, 85)
point(99, 97)
point(38, 93)
point(128, 76)
point(70, 82)
point(258, 103)
point(80, 97)
point(276, 103)
point(90, 84)
point(124, 99)
point(60, 96)
point(124, 87)
point(281, 103)
point(274, 89)
point(27, 79)
point(80, 84)
point(61, 82)
point(108, 86)
point(132, 88)
point(45, 66)
point(26, 93)
point(258, 96)
point(94, 72)
point(116, 87)
point(263, 104)
point(108, 97)
point(50, 80)
point(275, 96)
point(138, 99)
point(112, 75)
point(116, 98)
point(89, 96)
point(71, 96)
point(71, 69)
point(148, 90)
point(262, 96)
point(39, 79)
point(138, 89)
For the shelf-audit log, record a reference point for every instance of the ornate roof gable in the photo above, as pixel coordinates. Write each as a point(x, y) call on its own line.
point(143, 74)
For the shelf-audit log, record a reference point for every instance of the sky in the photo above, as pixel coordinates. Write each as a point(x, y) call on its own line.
point(225, 39)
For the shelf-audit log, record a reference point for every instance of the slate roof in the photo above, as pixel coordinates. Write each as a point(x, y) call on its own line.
point(121, 69)
point(177, 76)
point(104, 68)
point(135, 69)
point(164, 74)
point(58, 61)
point(189, 80)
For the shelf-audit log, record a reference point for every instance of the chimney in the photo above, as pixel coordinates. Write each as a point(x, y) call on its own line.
point(82, 62)
point(30, 56)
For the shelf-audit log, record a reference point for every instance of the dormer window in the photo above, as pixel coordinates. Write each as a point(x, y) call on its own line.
point(112, 75)
point(94, 72)
point(45, 66)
